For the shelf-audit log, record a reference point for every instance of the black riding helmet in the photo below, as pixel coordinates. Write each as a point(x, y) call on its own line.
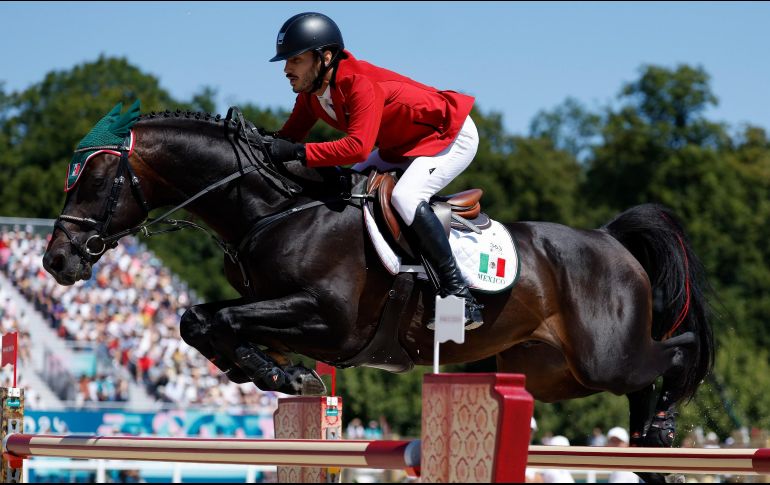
point(307, 31)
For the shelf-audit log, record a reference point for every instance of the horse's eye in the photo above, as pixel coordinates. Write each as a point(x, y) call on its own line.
point(98, 182)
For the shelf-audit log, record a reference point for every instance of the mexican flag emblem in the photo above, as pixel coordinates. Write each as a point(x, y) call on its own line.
point(75, 170)
point(492, 265)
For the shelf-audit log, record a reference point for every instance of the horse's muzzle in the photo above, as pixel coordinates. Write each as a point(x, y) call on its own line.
point(65, 267)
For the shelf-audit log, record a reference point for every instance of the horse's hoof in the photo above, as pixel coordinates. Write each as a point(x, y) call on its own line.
point(659, 438)
point(302, 381)
point(662, 430)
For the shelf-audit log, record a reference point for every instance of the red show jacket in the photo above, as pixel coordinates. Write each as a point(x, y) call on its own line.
point(375, 106)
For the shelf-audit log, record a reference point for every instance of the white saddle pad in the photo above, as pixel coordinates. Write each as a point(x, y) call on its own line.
point(488, 261)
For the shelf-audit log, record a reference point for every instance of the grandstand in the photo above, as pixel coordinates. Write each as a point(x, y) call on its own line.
point(107, 356)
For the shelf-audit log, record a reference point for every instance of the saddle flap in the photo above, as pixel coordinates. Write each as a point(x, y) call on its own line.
point(384, 191)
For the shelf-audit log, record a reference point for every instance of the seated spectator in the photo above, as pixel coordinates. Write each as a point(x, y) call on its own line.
point(553, 475)
point(355, 429)
point(618, 437)
point(373, 431)
point(597, 438)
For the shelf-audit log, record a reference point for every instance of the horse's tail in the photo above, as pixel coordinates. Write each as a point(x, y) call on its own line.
point(654, 235)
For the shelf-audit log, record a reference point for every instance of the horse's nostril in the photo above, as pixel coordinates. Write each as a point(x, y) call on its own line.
point(54, 262)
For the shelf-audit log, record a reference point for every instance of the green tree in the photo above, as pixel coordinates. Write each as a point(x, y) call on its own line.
point(522, 178)
point(44, 122)
point(570, 126)
point(662, 112)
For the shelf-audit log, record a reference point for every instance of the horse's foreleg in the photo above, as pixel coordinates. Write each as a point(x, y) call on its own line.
point(195, 328)
point(285, 322)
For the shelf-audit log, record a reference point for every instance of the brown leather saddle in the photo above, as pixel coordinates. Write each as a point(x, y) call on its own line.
point(460, 211)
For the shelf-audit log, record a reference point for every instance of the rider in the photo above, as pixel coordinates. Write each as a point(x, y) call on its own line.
point(427, 132)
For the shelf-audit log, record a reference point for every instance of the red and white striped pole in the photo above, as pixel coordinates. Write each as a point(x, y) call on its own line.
point(306, 453)
point(661, 460)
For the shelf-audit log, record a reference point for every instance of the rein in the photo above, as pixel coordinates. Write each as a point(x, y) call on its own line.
point(244, 128)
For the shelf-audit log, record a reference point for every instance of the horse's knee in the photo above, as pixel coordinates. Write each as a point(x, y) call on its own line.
point(193, 326)
point(225, 321)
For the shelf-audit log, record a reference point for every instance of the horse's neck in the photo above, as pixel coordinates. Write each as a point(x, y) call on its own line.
point(189, 162)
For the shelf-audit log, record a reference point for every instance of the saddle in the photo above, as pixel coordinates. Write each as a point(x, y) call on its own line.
point(461, 211)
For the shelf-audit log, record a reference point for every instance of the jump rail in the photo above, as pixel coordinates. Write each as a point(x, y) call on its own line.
point(662, 460)
point(359, 454)
point(379, 454)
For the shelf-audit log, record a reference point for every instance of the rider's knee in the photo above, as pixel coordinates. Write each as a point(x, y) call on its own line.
point(405, 203)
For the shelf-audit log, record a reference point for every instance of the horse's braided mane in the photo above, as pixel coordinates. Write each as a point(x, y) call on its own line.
point(197, 115)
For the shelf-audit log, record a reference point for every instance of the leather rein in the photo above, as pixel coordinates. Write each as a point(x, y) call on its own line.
point(104, 241)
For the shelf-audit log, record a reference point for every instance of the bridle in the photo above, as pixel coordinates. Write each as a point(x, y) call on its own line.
point(101, 238)
point(106, 241)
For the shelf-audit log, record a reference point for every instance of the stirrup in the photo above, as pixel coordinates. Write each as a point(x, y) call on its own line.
point(470, 323)
point(474, 321)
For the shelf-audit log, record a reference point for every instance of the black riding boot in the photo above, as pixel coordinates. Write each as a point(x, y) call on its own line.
point(434, 245)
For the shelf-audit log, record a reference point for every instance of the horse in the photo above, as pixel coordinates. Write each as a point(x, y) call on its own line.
point(611, 309)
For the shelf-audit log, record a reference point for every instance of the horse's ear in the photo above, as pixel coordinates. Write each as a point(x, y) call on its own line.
point(122, 125)
point(115, 112)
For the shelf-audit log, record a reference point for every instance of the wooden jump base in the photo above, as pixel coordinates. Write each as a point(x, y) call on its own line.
point(662, 460)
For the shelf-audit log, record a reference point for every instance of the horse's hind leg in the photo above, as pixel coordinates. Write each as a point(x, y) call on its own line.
point(641, 405)
point(662, 429)
point(548, 377)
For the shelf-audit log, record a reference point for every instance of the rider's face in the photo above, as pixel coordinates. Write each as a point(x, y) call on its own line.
point(302, 71)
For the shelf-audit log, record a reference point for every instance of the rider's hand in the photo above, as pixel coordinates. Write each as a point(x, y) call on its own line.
point(283, 151)
point(263, 132)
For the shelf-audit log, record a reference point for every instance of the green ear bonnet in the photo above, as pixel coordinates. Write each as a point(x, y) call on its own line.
point(109, 135)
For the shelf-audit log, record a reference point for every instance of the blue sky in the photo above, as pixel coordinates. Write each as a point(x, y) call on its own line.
point(516, 58)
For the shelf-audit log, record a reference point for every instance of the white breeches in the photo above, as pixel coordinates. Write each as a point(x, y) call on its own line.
point(426, 176)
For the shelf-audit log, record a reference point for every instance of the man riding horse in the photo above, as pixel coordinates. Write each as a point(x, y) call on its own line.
point(426, 132)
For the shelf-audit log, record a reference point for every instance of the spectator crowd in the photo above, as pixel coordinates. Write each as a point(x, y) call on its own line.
point(129, 312)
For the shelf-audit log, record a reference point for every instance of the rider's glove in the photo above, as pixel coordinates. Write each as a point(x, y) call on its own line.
point(283, 151)
point(264, 132)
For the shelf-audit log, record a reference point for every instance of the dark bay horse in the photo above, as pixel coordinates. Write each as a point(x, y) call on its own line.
point(611, 309)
